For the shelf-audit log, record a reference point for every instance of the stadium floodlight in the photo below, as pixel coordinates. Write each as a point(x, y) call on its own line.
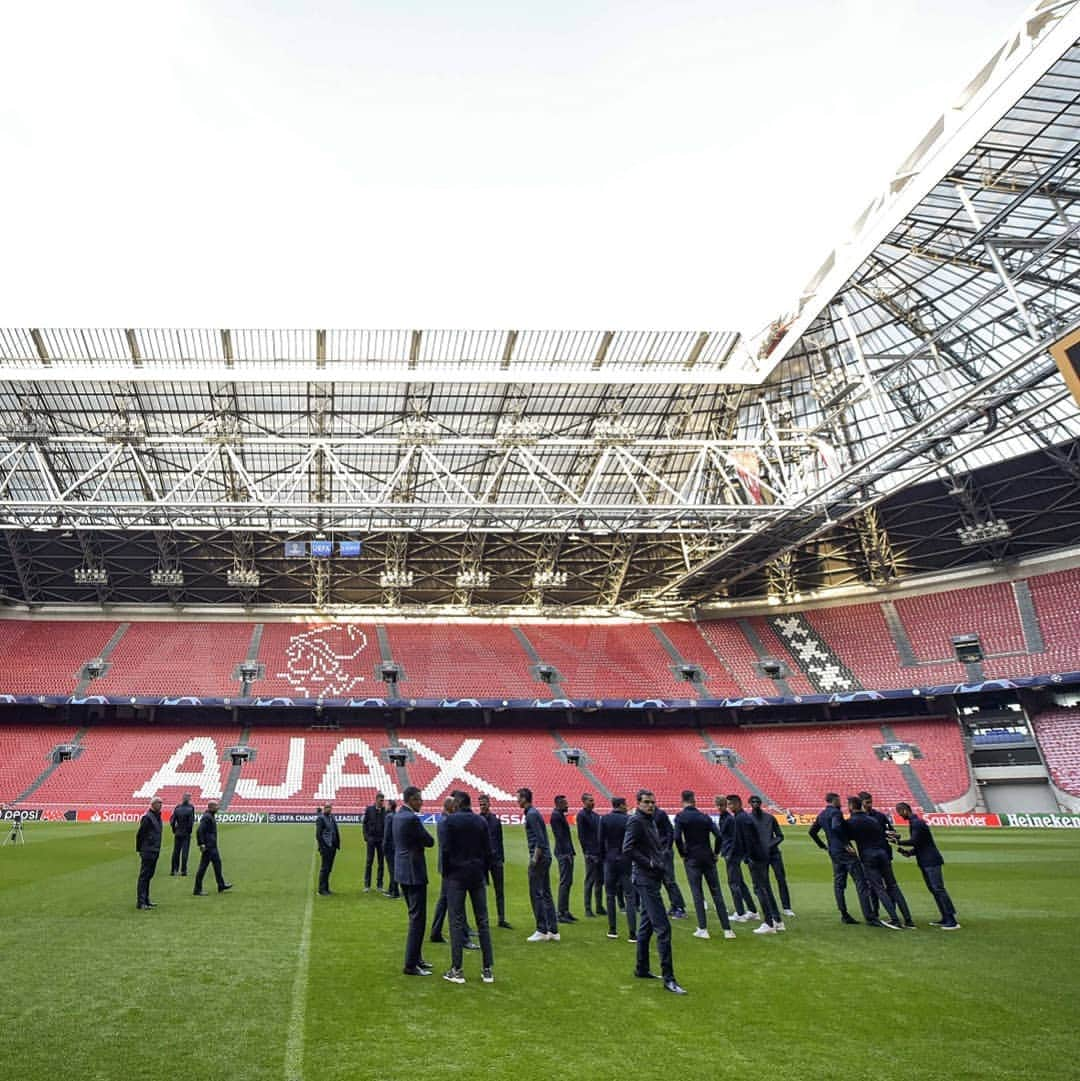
point(549, 578)
point(396, 578)
point(520, 431)
point(91, 576)
point(243, 578)
point(167, 576)
point(983, 532)
point(473, 578)
point(613, 432)
point(420, 431)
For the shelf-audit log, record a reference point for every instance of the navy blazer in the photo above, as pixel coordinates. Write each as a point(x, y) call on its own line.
point(697, 836)
point(612, 835)
point(466, 848)
point(588, 833)
point(410, 840)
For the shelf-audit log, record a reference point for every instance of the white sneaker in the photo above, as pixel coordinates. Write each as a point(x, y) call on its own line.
point(765, 929)
point(788, 912)
point(729, 933)
point(780, 926)
point(701, 932)
point(537, 936)
point(554, 936)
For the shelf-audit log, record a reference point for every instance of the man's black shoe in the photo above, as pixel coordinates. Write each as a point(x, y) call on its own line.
point(425, 964)
point(646, 976)
point(673, 987)
point(416, 971)
point(140, 906)
point(227, 886)
point(437, 938)
point(588, 914)
point(601, 911)
point(173, 874)
point(324, 893)
point(149, 904)
point(470, 945)
point(505, 926)
point(183, 874)
point(199, 893)
point(567, 918)
point(845, 918)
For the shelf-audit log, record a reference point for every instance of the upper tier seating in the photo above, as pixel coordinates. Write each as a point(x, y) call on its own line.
point(1058, 733)
point(319, 660)
point(47, 657)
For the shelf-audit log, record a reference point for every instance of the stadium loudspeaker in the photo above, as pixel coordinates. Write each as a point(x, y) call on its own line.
point(1066, 354)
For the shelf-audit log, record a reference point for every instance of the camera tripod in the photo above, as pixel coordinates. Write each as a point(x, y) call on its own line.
point(15, 834)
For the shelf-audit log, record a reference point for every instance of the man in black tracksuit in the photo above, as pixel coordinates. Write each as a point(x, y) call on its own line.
point(889, 876)
point(388, 850)
point(182, 823)
point(869, 837)
point(206, 838)
point(697, 838)
point(772, 837)
point(647, 855)
point(617, 868)
point(564, 856)
point(588, 833)
point(845, 863)
point(374, 822)
point(677, 908)
point(498, 858)
point(742, 898)
point(466, 859)
point(930, 860)
point(148, 846)
point(328, 838)
point(752, 852)
point(536, 837)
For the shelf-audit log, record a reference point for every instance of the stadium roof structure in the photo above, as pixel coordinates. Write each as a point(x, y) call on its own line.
point(907, 417)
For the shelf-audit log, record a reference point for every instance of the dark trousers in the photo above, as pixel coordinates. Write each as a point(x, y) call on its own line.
point(892, 887)
point(391, 883)
point(328, 855)
point(594, 885)
point(741, 896)
point(875, 867)
point(146, 872)
point(498, 884)
point(678, 902)
point(374, 848)
point(456, 892)
point(654, 920)
point(695, 872)
point(843, 867)
point(210, 856)
point(416, 905)
point(759, 876)
point(543, 905)
point(566, 880)
point(441, 911)
point(616, 875)
point(935, 883)
point(776, 862)
point(181, 843)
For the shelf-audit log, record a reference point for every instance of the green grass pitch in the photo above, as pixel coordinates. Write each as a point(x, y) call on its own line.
point(215, 988)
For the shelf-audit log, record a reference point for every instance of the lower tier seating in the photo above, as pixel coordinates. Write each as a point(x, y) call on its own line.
point(1058, 733)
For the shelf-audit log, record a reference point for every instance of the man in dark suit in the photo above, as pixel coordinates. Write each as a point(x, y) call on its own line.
point(888, 875)
point(643, 846)
point(772, 837)
point(588, 833)
point(328, 838)
point(182, 824)
point(374, 822)
point(148, 846)
point(677, 909)
point(564, 856)
point(930, 860)
point(536, 837)
point(410, 870)
point(388, 850)
point(466, 860)
point(617, 868)
point(697, 838)
point(206, 838)
point(749, 849)
point(845, 863)
point(442, 905)
point(498, 858)
point(868, 836)
point(741, 897)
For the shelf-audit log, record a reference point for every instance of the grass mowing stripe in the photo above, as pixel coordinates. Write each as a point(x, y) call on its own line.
point(294, 1046)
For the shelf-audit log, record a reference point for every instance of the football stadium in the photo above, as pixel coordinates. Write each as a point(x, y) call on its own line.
point(283, 609)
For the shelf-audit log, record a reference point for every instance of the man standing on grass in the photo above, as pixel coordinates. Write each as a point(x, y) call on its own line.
point(844, 861)
point(148, 845)
point(388, 850)
point(374, 823)
point(498, 858)
point(930, 860)
point(466, 860)
point(642, 844)
point(564, 855)
point(741, 897)
point(410, 870)
point(889, 877)
point(182, 823)
point(442, 905)
point(697, 837)
point(617, 868)
point(868, 836)
point(772, 837)
point(328, 838)
point(677, 909)
point(749, 848)
point(206, 837)
point(588, 833)
point(543, 905)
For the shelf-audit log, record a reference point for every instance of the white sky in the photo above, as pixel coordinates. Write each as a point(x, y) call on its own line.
point(454, 163)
